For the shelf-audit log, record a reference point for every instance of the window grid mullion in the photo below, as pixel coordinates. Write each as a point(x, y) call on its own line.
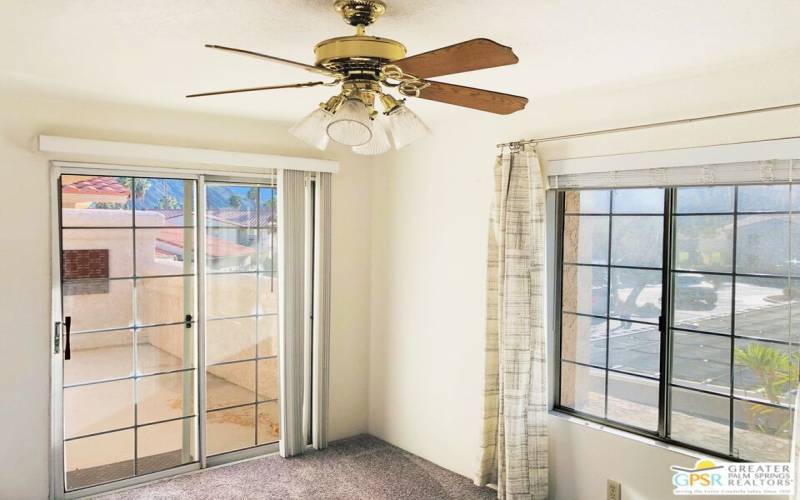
point(733, 319)
point(665, 354)
point(608, 299)
point(135, 350)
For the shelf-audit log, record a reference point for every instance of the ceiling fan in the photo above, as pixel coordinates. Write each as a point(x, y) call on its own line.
point(365, 67)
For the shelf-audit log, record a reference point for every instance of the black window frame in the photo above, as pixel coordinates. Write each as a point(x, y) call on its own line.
point(665, 321)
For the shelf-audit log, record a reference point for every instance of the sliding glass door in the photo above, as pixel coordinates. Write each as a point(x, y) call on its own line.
point(166, 341)
point(242, 312)
point(128, 287)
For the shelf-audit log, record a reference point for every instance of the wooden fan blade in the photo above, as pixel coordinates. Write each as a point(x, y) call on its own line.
point(469, 97)
point(253, 89)
point(480, 53)
point(307, 67)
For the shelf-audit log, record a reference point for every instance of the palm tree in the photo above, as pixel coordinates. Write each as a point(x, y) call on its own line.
point(235, 201)
point(773, 368)
point(270, 207)
point(137, 186)
point(168, 202)
point(107, 205)
point(777, 373)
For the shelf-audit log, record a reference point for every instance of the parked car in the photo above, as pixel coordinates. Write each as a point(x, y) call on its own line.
point(695, 292)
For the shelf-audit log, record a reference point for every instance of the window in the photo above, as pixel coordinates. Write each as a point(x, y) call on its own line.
point(679, 314)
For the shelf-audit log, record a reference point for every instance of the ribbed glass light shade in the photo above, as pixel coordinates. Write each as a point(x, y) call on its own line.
point(313, 128)
point(378, 144)
point(350, 125)
point(406, 127)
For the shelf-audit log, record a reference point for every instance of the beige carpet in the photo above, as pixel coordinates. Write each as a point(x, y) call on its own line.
point(363, 468)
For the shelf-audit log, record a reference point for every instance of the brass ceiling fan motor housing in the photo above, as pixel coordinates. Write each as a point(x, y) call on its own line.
point(360, 53)
point(346, 54)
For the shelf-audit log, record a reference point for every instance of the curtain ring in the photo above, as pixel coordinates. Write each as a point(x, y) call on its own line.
point(767, 172)
point(708, 176)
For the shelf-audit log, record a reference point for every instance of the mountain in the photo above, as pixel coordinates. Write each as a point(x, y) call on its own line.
point(217, 195)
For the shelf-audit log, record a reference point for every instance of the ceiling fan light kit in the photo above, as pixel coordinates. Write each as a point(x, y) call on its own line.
point(351, 123)
point(379, 143)
point(366, 68)
point(309, 128)
point(406, 126)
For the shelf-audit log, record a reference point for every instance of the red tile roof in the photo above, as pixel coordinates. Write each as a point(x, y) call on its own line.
point(96, 185)
point(242, 218)
point(163, 253)
point(215, 247)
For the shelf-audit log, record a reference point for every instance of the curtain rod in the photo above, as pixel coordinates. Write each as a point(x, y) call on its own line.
point(648, 125)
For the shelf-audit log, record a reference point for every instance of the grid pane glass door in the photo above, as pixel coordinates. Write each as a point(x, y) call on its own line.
point(129, 297)
point(242, 317)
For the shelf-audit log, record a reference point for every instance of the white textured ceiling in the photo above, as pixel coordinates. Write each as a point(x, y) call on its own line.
point(151, 51)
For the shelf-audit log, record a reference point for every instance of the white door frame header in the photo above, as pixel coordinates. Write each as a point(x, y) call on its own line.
point(128, 153)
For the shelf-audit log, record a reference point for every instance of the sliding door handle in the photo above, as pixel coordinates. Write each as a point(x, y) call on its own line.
point(67, 326)
point(57, 337)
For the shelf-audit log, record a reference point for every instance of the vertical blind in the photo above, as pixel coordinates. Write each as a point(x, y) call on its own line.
point(291, 302)
point(322, 310)
point(292, 292)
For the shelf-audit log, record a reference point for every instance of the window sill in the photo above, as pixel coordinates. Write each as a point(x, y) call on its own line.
point(629, 435)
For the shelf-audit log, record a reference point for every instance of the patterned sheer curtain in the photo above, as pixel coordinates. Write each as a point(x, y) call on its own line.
point(514, 440)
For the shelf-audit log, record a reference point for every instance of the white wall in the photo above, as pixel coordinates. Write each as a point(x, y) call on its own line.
point(25, 259)
point(583, 458)
point(430, 220)
point(409, 255)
